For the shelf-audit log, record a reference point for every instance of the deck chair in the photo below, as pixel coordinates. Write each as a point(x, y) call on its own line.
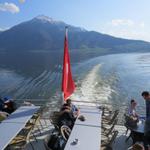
point(106, 111)
point(125, 123)
point(108, 131)
point(108, 116)
point(35, 120)
point(20, 141)
point(37, 116)
point(54, 119)
point(109, 119)
point(32, 124)
point(107, 144)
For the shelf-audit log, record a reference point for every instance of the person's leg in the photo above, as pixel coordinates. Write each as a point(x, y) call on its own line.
point(147, 142)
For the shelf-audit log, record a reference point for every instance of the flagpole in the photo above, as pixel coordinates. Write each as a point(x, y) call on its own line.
point(63, 98)
point(66, 32)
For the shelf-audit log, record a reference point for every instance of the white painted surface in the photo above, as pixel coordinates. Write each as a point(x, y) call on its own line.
point(88, 132)
point(91, 119)
point(89, 109)
point(22, 114)
point(10, 127)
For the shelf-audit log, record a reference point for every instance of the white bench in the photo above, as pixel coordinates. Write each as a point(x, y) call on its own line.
point(10, 127)
point(87, 133)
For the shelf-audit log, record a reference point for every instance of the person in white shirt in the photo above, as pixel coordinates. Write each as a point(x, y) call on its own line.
point(132, 109)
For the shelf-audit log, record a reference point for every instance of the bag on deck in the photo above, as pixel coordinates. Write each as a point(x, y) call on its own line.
point(131, 121)
point(56, 142)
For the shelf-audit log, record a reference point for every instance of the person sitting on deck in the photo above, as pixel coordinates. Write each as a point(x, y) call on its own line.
point(132, 110)
point(9, 105)
point(66, 116)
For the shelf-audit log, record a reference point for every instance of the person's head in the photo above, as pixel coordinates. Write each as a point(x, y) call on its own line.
point(133, 102)
point(146, 95)
point(65, 107)
point(7, 99)
point(137, 147)
point(68, 102)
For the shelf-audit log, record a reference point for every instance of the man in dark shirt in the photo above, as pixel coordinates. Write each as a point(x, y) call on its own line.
point(146, 96)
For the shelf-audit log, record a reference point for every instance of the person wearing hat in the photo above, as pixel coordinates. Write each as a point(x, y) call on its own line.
point(132, 108)
point(9, 105)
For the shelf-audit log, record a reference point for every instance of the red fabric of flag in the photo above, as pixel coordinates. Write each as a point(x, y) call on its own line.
point(68, 85)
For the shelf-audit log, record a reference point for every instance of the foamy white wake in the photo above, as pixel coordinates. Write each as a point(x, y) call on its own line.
point(93, 88)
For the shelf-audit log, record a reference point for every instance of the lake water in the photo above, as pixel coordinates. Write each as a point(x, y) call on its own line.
point(111, 78)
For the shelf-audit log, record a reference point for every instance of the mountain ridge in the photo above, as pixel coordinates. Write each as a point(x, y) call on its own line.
point(44, 33)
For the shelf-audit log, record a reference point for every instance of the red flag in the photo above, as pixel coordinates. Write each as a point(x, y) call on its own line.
point(68, 85)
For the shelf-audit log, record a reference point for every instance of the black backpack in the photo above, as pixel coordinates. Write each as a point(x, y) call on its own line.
point(56, 142)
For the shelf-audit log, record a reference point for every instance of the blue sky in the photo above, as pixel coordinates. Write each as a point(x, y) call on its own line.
point(121, 18)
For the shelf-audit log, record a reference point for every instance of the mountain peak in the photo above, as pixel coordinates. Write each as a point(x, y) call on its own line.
point(45, 19)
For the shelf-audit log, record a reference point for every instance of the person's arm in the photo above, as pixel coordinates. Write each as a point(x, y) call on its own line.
point(76, 111)
point(148, 109)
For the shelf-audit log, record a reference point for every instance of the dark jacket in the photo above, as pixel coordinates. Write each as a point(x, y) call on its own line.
point(148, 109)
point(147, 127)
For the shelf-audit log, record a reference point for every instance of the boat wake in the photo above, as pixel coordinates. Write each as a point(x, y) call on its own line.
point(93, 87)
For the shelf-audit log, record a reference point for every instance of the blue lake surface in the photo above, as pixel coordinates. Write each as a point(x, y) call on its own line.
point(111, 78)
